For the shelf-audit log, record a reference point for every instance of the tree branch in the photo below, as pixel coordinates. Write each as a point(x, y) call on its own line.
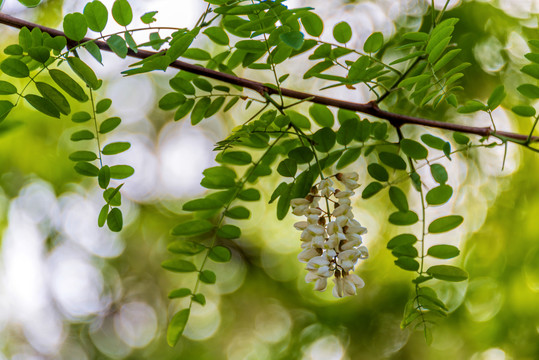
point(370, 108)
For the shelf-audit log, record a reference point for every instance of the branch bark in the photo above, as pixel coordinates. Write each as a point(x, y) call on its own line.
point(370, 108)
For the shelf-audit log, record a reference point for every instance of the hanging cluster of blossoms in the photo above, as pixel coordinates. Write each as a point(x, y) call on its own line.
point(331, 240)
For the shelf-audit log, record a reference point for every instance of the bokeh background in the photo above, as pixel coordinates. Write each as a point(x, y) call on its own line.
point(70, 290)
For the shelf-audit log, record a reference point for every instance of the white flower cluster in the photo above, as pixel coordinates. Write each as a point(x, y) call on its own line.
point(331, 241)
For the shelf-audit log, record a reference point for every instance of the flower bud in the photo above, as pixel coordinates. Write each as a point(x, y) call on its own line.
point(321, 284)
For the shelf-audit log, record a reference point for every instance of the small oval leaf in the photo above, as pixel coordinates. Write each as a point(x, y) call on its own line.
point(443, 251)
point(447, 273)
point(177, 326)
point(445, 223)
point(220, 254)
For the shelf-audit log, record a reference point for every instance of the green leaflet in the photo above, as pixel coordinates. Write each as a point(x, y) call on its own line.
point(176, 326)
point(398, 198)
point(214, 107)
point(313, 24)
point(70, 86)
point(96, 15)
point(324, 139)
point(42, 105)
point(197, 54)
point(115, 220)
point(102, 217)
point(347, 131)
point(112, 196)
point(392, 160)
point(82, 135)
point(439, 173)
point(403, 218)
point(532, 70)
point(5, 108)
point(118, 45)
point(447, 273)
point(524, 110)
point(414, 149)
point(192, 228)
point(115, 148)
point(372, 189)
point(122, 13)
point(75, 26)
point(103, 105)
point(199, 110)
point(373, 43)
point(471, 106)
point(460, 138)
point(14, 68)
point(84, 72)
point(177, 265)
point(179, 293)
point(82, 156)
point(342, 32)
point(40, 54)
point(148, 17)
point(54, 96)
point(294, 39)
point(405, 250)
point(121, 171)
point(407, 263)
point(217, 35)
point(322, 115)
point(220, 254)
point(302, 155)
point(86, 169)
point(202, 204)
point(130, 41)
point(80, 117)
point(433, 141)
point(299, 120)
point(109, 124)
point(25, 38)
point(238, 212)
point(283, 204)
point(30, 3)
point(94, 50)
point(287, 168)
point(235, 158)
point(443, 251)
point(185, 247)
point(400, 240)
point(249, 195)
point(445, 224)
point(439, 195)
point(13, 49)
point(228, 232)
point(207, 277)
point(378, 172)
point(171, 101)
point(348, 157)
point(103, 177)
point(199, 298)
point(529, 90)
point(180, 46)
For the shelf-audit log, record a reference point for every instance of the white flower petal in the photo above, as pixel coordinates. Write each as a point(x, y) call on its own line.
point(321, 284)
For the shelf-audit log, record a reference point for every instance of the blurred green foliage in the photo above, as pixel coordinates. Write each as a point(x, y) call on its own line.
point(260, 307)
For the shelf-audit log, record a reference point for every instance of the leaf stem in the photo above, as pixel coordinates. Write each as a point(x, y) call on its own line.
point(96, 129)
point(239, 187)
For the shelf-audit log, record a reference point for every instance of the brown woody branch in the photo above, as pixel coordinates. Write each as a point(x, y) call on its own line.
point(370, 108)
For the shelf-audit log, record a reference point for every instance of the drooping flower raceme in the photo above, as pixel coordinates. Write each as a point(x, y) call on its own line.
point(330, 236)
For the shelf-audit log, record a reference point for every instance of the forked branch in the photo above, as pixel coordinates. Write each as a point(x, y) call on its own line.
point(370, 108)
